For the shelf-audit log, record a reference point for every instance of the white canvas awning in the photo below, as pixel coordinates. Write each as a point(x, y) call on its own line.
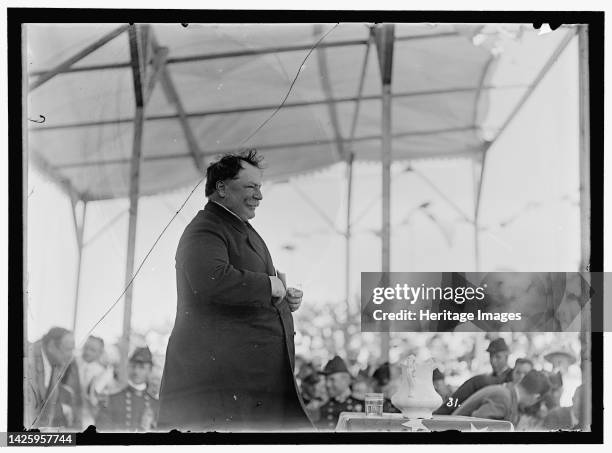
point(229, 78)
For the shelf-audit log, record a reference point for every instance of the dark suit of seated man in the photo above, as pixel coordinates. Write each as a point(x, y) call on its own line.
point(501, 402)
point(502, 373)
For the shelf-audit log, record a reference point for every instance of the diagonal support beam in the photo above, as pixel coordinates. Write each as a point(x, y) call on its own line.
point(531, 88)
point(329, 96)
point(66, 65)
point(158, 64)
point(52, 172)
point(173, 97)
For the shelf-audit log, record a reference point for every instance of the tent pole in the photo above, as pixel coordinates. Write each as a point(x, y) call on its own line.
point(349, 178)
point(347, 266)
point(477, 178)
point(384, 43)
point(585, 216)
point(137, 73)
point(79, 229)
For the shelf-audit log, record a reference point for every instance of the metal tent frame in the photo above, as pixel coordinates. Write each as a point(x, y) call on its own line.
point(149, 62)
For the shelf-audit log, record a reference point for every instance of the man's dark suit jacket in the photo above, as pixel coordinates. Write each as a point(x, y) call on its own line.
point(230, 357)
point(42, 413)
point(471, 386)
point(496, 402)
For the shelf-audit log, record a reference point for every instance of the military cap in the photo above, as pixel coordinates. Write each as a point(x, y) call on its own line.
point(535, 382)
point(335, 365)
point(497, 345)
point(142, 355)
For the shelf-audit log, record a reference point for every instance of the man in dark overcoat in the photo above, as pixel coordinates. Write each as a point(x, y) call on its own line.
point(230, 357)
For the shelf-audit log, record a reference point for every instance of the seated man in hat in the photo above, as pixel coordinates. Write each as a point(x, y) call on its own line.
point(133, 408)
point(501, 401)
point(338, 382)
point(501, 373)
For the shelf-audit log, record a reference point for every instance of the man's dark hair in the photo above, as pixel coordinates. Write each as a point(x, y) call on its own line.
point(54, 335)
point(228, 167)
point(98, 339)
point(523, 360)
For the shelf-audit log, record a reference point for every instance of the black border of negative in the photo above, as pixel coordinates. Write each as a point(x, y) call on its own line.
point(18, 16)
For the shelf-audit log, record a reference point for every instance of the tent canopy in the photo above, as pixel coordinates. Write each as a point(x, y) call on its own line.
point(223, 81)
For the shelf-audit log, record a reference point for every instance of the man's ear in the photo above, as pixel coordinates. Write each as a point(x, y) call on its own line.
point(220, 186)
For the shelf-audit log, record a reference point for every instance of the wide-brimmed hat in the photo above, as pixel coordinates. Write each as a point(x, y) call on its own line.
point(561, 353)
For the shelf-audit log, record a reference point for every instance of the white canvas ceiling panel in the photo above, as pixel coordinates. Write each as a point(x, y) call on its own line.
point(230, 78)
point(437, 63)
point(229, 132)
point(76, 98)
point(83, 145)
point(406, 146)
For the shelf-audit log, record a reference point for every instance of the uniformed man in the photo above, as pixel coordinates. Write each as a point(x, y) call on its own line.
point(338, 383)
point(134, 408)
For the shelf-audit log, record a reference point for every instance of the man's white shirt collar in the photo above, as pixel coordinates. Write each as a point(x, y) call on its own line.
point(139, 387)
point(228, 210)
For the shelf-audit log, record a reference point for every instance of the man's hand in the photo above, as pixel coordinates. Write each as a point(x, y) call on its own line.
point(294, 298)
point(278, 288)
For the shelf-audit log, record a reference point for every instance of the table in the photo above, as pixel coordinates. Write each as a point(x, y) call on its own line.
point(359, 421)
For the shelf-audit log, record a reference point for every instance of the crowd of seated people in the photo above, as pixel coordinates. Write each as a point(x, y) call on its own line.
point(72, 392)
point(527, 397)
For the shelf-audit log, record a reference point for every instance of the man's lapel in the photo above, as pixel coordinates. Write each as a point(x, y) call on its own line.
point(258, 244)
point(245, 228)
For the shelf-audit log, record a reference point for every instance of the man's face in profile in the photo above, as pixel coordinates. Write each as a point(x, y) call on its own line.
point(60, 353)
point(243, 194)
point(499, 361)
